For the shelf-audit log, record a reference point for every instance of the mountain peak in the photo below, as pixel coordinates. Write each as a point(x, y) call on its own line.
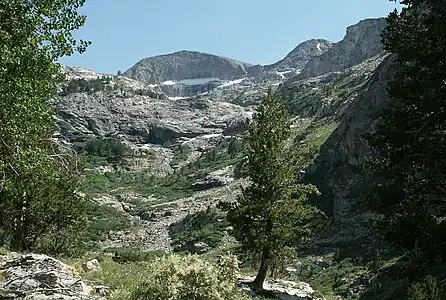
point(361, 42)
point(186, 64)
point(300, 55)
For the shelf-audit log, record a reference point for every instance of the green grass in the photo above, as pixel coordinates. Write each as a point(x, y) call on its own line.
point(205, 226)
point(180, 155)
point(2, 276)
point(103, 219)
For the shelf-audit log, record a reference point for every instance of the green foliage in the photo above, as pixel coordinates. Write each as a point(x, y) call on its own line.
point(147, 92)
point(109, 148)
point(80, 85)
point(185, 277)
point(103, 219)
point(180, 155)
point(234, 147)
point(131, 255)
point(377, 261)
point(410, 138)
point(204, 226)
point(427, 289)
point(40, 210)
point(258, 215)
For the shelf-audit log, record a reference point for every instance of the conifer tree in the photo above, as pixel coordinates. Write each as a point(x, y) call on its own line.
point(410, 140)
point(272, 212)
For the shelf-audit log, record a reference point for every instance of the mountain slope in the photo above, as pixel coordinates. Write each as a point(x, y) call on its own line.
point(185, 65)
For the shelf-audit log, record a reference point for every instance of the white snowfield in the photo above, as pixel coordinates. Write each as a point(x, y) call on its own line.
point(232, 82)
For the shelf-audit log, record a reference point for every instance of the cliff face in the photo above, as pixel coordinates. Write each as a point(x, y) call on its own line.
point(339, 170)
point(362, 41)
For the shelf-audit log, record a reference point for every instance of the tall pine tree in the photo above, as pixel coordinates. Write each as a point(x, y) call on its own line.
point(272, 212)
point(410, 140)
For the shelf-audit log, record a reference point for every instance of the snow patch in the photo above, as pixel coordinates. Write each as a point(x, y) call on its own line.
point(282, 74)
point(169, 82)
point(197, 81)
point(210, 136)
point(178, 98)
point(205, 136)
point(232, 82)
point(318, 46)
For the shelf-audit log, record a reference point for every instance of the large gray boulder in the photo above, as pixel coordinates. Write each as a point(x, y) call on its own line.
point(40, 277)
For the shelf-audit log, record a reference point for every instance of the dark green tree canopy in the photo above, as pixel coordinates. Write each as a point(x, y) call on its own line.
point(272, 212)
point(411, 137)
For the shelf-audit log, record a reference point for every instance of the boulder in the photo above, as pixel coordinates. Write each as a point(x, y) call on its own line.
point(200, 248)
point(282, 289)
point(92, 266)
point(34, 276)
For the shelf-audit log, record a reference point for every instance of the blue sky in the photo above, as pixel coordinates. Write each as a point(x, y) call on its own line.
point(254, 31)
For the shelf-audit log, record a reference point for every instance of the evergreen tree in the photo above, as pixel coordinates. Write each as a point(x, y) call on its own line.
point(37, 198)
point(272, 212)
point(410, 140)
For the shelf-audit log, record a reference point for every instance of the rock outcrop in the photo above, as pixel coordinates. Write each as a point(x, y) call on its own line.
point(362, 41)
point(144, 119)
point(300, 55)
point(339, 168)
point(282, 289)
point(40, 277)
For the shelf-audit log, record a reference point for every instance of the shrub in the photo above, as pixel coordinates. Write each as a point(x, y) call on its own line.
point(428, 289)
point(177, 277)
point(129, 254)
point(204, 226)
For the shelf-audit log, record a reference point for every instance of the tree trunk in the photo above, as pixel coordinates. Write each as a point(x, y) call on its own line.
point(261, 275)
point(19, 233)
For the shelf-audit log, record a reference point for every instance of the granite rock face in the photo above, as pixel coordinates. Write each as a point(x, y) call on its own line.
point(300, 55)
point(362, 41)
point(186, 65)
point(40, 277)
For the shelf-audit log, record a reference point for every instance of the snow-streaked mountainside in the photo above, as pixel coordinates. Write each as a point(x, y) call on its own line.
point(177, 111)
point(196, 72)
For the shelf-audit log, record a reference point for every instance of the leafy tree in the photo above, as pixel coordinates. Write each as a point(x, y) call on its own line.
point(37, 196)
point(272, 213)
point(410, 140)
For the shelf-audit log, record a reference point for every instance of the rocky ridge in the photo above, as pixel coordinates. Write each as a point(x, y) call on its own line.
point(362, 41)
